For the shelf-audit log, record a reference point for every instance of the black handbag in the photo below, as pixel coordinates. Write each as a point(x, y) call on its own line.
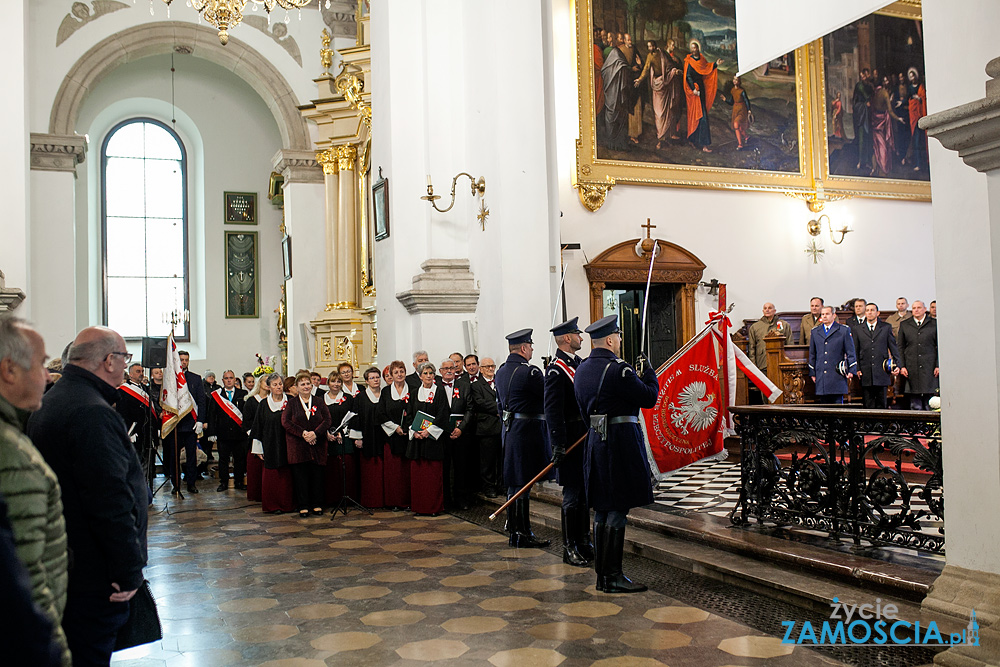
point(143, 624)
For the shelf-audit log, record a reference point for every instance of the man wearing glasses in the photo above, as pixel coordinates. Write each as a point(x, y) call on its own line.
point(104, 491)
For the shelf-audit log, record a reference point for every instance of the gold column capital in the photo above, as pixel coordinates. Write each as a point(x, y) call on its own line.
point(347, 155)
point(329, 160)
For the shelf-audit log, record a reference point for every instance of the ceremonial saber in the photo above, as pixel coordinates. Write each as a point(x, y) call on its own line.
point(645, 301)
point(537, 477)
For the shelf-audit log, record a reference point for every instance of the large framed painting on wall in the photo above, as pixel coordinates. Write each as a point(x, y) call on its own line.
point(870, 76)
point(660, 102)
point(241, 275)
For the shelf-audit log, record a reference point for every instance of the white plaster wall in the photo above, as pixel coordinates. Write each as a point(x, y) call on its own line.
point(226, 151)
point(967, 257)
point(53, 257)
point(753, 242)
point(49, 64)
point(452, 95)
point(14, 147)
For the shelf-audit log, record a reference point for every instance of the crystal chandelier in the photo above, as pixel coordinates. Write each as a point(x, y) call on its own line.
point(226, 14)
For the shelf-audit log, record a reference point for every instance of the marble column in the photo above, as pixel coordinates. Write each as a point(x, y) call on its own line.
point(967, 266)
point(348, 276)
point(53, 236)
point(331, 187)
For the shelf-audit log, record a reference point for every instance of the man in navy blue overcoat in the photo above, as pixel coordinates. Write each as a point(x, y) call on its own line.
point(829, 344)
point(616, 471)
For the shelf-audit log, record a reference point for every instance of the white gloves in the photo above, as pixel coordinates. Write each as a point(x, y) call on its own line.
point(213, 438)
point(198, 428)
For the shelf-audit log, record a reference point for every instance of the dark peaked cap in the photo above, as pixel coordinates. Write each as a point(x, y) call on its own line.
point(519, 337)
point(604, 327)
point(569, 326)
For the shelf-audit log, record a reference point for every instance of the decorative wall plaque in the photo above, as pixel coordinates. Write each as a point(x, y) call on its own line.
point(241, 208)
point(241, 275)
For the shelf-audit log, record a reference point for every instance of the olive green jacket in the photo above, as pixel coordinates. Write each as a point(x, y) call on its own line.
point(756, 349)
point(36, 515)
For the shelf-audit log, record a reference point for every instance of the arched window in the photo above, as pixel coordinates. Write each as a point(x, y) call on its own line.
point(144, 232)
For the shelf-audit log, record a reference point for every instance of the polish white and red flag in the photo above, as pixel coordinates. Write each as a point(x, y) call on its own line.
point(697, 386)
point(176, 401)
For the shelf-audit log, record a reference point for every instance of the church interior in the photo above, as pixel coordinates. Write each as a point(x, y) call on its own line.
point(236, 188)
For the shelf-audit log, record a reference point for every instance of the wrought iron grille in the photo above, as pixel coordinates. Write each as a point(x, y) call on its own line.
point(843, 473)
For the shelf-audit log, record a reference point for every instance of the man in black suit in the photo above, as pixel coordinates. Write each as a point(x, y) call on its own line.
point(875, 346)
point(413, 379)
point(460, 469)
point(226, 430)
point(858, 319)
point(486, 424)
point(193, 425)
point(918, 343)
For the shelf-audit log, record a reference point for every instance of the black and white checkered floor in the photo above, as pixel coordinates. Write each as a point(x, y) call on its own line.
point(714, 487)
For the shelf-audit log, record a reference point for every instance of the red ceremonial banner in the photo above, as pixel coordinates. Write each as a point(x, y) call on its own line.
point(686, 424)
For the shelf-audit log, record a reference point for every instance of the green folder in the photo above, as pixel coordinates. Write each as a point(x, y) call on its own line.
point(421, 421)
point(453, 421)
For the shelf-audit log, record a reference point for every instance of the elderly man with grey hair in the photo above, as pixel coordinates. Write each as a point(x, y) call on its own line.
point(35, 510)
point(104, 492)
point(420, 357)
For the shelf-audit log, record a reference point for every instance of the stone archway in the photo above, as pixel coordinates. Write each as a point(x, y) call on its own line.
point(158, 38)
point(619, 264)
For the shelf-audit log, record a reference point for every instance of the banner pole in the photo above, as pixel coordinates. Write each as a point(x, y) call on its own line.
point(537, 477)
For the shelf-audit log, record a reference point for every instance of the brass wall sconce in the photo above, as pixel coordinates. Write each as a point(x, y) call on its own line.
point(478, 189)
point(815, 227)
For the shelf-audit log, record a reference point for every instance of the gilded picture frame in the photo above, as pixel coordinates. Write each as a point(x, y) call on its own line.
point(242, 280)
point(838, 174)
point(677, 164)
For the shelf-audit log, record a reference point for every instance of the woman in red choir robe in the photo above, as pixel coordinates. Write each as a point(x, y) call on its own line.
point(306, 420)
point(341, 466)
point(372, 440)
point(255, 464)
point(268, 444)
point(425, 450)
point(393, 408)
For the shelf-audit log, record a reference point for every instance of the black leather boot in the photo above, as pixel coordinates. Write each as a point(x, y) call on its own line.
point(570, 525)
point(613, 547)
point(511, 526)
point(524, 538)
point(600, 565)
point(583, 543)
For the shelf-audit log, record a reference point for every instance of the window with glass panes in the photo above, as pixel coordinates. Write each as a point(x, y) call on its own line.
point(145, 228)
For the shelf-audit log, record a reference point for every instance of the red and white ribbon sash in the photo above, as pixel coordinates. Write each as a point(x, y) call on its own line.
point(228, 407)
point(138, 394)
point(566, 368)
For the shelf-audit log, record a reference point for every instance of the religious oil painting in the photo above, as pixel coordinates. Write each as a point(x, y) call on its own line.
point(661, 102)
point(874, 95)
point(241, 274)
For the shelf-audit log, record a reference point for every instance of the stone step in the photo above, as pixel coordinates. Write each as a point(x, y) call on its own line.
point(805, 576)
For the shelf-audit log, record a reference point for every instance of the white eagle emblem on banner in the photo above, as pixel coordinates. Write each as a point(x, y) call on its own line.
point(695, 409)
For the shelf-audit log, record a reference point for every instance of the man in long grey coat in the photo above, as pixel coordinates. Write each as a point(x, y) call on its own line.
point(919, 346)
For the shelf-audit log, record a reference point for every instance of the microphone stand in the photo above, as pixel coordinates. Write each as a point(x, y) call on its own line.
point(346, 502)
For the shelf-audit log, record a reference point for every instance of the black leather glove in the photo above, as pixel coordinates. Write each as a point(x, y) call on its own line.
point(558, 455)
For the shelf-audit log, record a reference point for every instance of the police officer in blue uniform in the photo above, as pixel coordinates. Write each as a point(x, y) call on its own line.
point(616, 471)
point(520, 400)
point(565, 426)
point(830, 344)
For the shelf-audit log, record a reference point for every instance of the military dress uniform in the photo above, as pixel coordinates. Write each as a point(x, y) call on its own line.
point(520, 401)
point(565, 426)
point(616, 472)
point(828, 346)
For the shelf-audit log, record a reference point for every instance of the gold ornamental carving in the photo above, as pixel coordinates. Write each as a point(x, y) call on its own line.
point(338, 158)
point(374, 343)
point(592, 195)
point(342, 344)
point(326, 53)
point(326, 348)
point(351, 86)
point(340, 305)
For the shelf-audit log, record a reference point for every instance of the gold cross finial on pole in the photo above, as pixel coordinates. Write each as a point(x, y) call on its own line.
point(648, 227)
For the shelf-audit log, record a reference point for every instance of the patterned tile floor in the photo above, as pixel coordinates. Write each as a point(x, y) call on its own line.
point(713, 487)
point(238, 587)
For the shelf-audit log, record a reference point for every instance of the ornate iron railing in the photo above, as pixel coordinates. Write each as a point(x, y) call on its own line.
point(843, 473)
